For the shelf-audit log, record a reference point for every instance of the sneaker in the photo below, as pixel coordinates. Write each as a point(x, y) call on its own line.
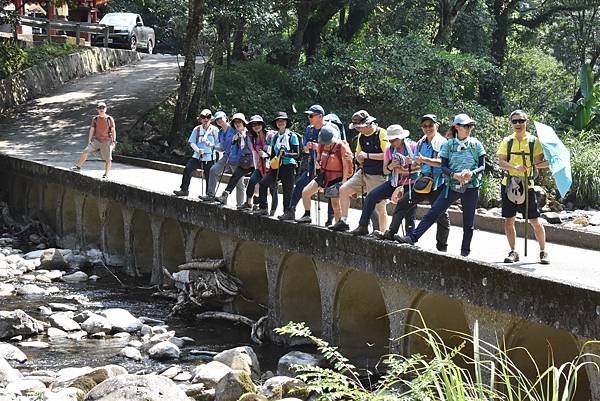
point(272, 212)
point(104, 176)
point(360, 230)
point(404, 239)
point(328, 223)
point(75, 168)
point(223, 198)
point(305, 219)
point(261, 212)
point(340, 226)
point(207, 198)
point(464, 253)
point(387, 235)
point(513, 257)
point(288, 215)
point(181, 192)
point(544, 258)
point(245, 206)
point(441, 248)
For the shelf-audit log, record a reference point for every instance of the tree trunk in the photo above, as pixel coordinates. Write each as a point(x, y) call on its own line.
point(238, 40)
point(303, 10)
point(448, 13)
point(318, 21)
point(203, 89)
point(190, 46)
point(358, 15)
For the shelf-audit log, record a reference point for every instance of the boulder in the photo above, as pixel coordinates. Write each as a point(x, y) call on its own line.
point(7, 373)
point(541, 196)
point(135, 387)
point(233, 385)
point(131, 353)
point(86, 378)
point(594, 219)
point(60, 307)
point(53, 332)
point(240, 358)
point(122, 320)
point(34, 344)
point(96, 324)
point(171, 371)
point(12, 353)
point(77, 335)
point(183, 377)
point(31, 290)
point(253, 397)
point(6, 290)
point(64, 322)
point(66, 394)
point(279, 387)
point(54, 274)
point(552, 217)
point(17, 322)
point(52, 259)
point(164, 350)
point(66, 376)
point(210, 374)
point(26, 386)
point(284, 366)
point(77, 277)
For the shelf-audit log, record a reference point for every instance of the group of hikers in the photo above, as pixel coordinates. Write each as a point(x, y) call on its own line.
point(379, 165)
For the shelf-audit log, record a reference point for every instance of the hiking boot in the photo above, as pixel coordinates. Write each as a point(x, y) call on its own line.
point(404, 239)
point(544, 258)
point(387, 235)
point(464, 253)
point(305, 219)
point(272, 212)
point(288, 215)
point(441, 247)
point(104, 176)
point(75, 168)
point(512, 257)
point(245, 206)
point(341, 225)
point(181, 192)
point(223, 198)
point(360, 230)
point(328, 223)
point(207, 198)
point(261, 212)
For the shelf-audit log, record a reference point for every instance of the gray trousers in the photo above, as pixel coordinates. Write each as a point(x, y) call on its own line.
point(213, 179)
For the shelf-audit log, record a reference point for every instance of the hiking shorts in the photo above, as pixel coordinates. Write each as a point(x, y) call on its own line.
point(365, 182)
point(510, 209)
point(105, 149)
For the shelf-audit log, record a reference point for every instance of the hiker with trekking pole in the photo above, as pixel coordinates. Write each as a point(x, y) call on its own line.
point(519, 155)
point(202, 140)
point(283, 152)
point(370, 149)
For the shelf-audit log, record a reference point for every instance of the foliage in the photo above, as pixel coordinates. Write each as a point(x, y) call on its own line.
point(41, 53)
point(585, 190)
point(12, 59)
point(585, 112)
point(7, 16)
point(437, 376)
point(489, 191)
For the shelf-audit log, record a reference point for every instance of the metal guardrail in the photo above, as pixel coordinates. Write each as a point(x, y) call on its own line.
point(71, 26)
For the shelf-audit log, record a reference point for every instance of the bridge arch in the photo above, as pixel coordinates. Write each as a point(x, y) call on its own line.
point(361, 317)
point(172, 244)
point(249, 265)
point(142, 243)
point(545, 345)
point(445, 316)
point(299, 293)
point(114, 234)
point(91, 223)
point(207, 244)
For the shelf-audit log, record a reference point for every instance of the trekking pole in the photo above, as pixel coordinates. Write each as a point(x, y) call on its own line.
point(318, 200)
point(526, 212)
point(222, 172)
point(203, 178)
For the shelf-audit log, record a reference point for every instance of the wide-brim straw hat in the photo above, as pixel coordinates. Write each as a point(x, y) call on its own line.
point(396, 131)
point(238, 116)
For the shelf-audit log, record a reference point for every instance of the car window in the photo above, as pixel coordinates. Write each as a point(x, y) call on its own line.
point(138, 20)
point(118, 20)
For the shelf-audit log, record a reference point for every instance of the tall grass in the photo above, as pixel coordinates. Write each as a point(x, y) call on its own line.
point(490, 374)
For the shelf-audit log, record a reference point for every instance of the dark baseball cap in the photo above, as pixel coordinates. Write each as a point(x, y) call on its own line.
point(315, 109)
point(431, 117)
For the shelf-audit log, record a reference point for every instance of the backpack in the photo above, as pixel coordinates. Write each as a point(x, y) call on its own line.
point(111, 124)
point(475, 179)
point(531, 143)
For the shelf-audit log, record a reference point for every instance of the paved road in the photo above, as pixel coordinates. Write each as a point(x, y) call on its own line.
point(53, 130)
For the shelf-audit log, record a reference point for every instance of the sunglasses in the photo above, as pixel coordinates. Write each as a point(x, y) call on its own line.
point(101, 107)
point(313, 114)
point(519, 121)
point(205, 117)
point(426, 125)
point(466, 125)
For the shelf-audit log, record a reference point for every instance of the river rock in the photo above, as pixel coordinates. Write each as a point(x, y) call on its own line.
point(134, 387)
point(28, 277)
point(282, 386)
point(253, 397)
point(233, 385)
point(6, 290)
point(96, 324)
point(44, 310)
point(135, 343)
point(31, 290)
point(83, 316)
point(38, 254)
point(76, 261)
point(7, 373)
point(594, 219)
point(240, 358)
point(171, 371)
point(13, 259)
point(43, 279)
point(54, 274)
point(552, 217)
point(145, 330)
point(17, 322)
point(199, 393)
point(66, 394)
point(64, 322)
point(77, 335)
point(27, 265)
point(131, 353)
point(122, 320)
point(77, 277)
point(52, 259)
point(26, 386)
point(211, 373)
point(91, 379)
point(284, 366)
point(53, 332)
point(124, 336)
point(34, 344)
point(60, 307)
point(150, 320)
point(66, 376)
point(158, 330)
point(52, 290)
point(12, 353)
point(177, 341)
point(164, 350)
point(183, 377)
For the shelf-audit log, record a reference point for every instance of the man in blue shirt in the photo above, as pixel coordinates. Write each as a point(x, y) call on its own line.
point(224, 142)
point(202, 140)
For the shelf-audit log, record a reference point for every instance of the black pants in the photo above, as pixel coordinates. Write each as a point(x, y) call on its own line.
point(237, 175)
point(406, 209)
point(192, 165)
point(287, 176)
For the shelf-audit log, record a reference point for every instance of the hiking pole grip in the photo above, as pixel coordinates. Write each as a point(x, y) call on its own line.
point(526, 211)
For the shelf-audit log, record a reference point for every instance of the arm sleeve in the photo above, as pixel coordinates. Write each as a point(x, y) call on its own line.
point(481, 164)
point(446, 166)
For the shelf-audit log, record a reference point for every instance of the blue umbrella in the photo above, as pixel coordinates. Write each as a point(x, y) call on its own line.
point(558, 157)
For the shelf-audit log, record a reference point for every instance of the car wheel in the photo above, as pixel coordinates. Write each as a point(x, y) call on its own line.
point(133, 43)
point(150, 48)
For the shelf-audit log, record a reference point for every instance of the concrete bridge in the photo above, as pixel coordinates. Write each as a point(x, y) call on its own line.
point(352, 291)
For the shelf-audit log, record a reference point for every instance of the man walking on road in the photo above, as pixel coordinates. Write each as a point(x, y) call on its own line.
point(202, 140)
point(102, 137)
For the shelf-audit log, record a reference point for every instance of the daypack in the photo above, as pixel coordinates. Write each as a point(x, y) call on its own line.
point(111, 124)
point(531, 143)
point(452, 143)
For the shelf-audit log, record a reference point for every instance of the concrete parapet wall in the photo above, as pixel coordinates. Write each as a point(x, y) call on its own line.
point(41, 79)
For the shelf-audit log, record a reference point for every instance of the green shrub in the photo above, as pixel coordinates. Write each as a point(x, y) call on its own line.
point(489, 191)
point(41, 53)
point(585, 190)
point(12, 59)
